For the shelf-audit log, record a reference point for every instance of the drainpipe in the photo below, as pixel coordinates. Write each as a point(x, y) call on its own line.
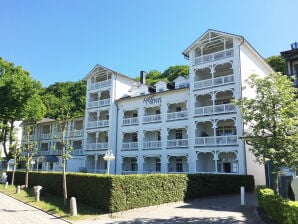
point(239, 60)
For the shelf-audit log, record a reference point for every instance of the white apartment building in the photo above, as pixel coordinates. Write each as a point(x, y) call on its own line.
point(189, 127)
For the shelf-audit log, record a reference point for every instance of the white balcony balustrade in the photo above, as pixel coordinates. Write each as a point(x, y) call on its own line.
point(45, 136)
point(216, 109)
point(177, 143)
point(129, 146)
point(152, 144)
point(213, 57)
point(216, 140)
point(152, 118)
point(177, 115)
point(102, 84)
point(98, 124)
point(99, 103)
point(130, 121)
point(76, 152)
point(97, 146)
point(218, 81)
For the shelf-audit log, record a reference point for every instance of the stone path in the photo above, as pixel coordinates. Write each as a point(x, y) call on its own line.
point(220, 209)
point(15, 212)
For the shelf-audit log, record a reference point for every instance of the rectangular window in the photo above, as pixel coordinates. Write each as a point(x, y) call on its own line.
point(179, 167)
point(178, 134)
point(178, 109)
point(157, 112)
point(134, 137)
point(133, 164)
point(157, 165)
point(158, 136)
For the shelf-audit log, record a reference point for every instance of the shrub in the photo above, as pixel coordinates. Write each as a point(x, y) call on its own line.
point(279, 209)
point(113, 193)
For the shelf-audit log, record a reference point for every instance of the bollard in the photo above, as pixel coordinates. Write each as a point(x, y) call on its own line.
point(242, 190)
point(73, 207)
point(18, 189)
point(6, 185)
point(37, 192)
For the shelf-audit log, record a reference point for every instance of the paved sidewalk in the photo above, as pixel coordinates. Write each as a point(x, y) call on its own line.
point(219, 209)
point(13, 211)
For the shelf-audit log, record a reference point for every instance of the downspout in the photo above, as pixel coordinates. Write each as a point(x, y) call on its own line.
point(116, 140)
point(244, 154)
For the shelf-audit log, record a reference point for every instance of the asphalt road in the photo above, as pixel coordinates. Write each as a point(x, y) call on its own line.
point(15, 212)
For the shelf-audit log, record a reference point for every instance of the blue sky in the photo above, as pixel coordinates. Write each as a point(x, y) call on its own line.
point(62, 40)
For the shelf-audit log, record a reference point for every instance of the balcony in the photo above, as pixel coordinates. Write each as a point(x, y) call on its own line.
point(218, 81)
point(130, 146)
point(97, 146)
point(130, 121)
point(76, 152)
point(177, 115)
point(102, 84)
point(216, 140)
point(99, 103)
point(45, 136)
point(174, 143)
point(216, 109)
point(213, 57)
point(152, 118)
point(152, 144)
point(98, 124)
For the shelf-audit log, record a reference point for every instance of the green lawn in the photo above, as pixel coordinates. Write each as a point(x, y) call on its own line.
point(50, 203)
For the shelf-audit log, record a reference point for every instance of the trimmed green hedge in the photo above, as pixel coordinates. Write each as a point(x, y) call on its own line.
point(279, 209)
point(113, 193)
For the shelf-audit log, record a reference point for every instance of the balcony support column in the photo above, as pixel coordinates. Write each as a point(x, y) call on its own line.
point(95, 162)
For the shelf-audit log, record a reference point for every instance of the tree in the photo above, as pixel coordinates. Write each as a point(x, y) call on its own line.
point(67, 112)
point(174, 71)
point(74, 91)
point(271, 118)
point(29, 149)
point(19, 99)
point(153, 77)
point(277, 63)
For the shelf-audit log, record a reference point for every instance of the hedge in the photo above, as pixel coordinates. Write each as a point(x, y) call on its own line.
point(277, 208)
point(113, 193)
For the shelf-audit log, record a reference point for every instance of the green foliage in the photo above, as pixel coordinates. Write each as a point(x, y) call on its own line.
point(281, 210)
point(168, 75)
point(271, 118)
point(113, 193)
point(174, 71)
point(66, 96)
point(277, 63)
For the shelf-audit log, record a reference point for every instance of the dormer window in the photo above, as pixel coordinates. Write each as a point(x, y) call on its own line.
point(142, 93)
point(160, 90)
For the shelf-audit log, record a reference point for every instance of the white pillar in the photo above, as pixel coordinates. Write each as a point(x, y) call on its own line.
point(95, 162)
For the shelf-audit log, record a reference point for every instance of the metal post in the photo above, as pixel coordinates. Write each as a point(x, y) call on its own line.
point(242, 190)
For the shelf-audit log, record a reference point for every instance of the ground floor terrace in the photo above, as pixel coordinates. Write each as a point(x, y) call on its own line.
point(199, 161)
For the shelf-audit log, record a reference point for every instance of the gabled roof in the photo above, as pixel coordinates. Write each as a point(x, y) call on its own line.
point(212, 34)
point(103, 70)
point(208, 36)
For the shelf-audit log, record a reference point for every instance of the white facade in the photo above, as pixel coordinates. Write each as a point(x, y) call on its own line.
point(191, 128)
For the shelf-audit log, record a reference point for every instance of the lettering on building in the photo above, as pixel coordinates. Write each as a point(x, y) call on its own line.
point(152, 100)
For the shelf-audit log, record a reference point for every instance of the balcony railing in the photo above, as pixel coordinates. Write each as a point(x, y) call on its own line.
point(98, 124)
point(152, 118)
point(177, 143)
point(216, 109)
point(129, 146)
point(99, 103)
point(76, 152)
point(218, 81)
point(214, 56)
point(45, 136)
point(97, 146)
point(130, 121)
point(102, 84)
point(216, 140)
point(177, 115)
point(75, 133)
point(151, 144)
point(129, 172)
